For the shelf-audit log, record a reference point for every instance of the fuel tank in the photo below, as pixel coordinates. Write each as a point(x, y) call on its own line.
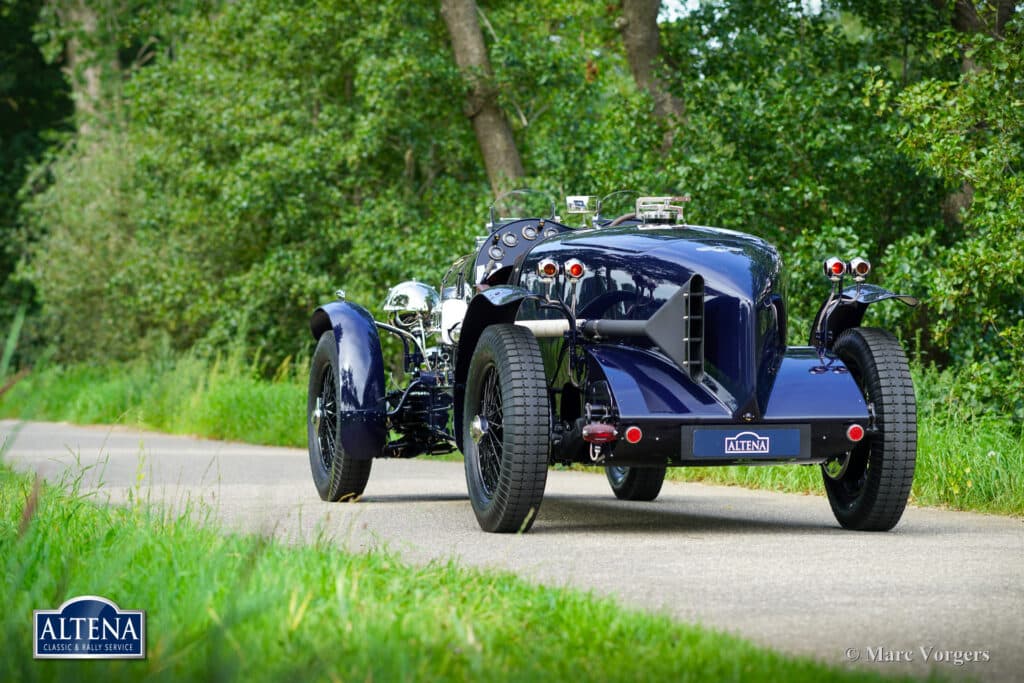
point(631, 271)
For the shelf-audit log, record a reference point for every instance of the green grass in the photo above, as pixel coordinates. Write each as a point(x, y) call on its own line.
point(964, 462)
point(229, 607)
point(220, 400)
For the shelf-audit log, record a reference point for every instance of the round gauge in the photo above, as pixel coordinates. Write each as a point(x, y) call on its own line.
point(530, 232)
point(510, 239)
point(550, 231)
point(495, 253)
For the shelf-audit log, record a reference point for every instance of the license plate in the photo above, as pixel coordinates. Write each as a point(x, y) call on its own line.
point(789, 441)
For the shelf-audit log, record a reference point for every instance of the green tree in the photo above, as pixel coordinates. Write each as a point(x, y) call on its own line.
point(783, 137)
point(970, 131)
point(266, 155)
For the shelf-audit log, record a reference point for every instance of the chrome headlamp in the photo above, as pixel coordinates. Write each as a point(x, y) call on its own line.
point(411, 301)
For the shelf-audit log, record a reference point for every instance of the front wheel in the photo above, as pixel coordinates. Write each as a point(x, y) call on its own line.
point(506, 429)
point(336, 474)
point(635, 483)
point(868, 487)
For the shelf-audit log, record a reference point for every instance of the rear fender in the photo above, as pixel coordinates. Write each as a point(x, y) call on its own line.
point(808, 388)
point(363, 416)
point(839, 314)
point(644, 384)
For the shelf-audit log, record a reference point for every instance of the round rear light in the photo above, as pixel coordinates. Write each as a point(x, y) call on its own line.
point(633, 434)
point(574, 269)
point(855, 433)
point(834, 268)
point(547, 268)
point(860, 267)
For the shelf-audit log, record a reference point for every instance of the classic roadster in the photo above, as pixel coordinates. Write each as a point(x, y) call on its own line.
point(634, 342)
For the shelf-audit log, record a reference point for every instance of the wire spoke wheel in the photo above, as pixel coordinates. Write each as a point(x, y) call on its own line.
point(489, 449)
point(327, 428)
point(506, 429)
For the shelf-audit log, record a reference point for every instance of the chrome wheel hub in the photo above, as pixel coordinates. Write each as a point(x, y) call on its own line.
point(317, 416)
point(477, 428)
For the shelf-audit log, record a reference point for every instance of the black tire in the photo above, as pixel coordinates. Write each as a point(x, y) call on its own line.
point(506, 455)
point(635, 483)
point(869, 493)
point(337, 476)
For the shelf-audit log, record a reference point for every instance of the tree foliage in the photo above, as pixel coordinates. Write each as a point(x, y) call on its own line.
point(970, 130)
point(259, 156)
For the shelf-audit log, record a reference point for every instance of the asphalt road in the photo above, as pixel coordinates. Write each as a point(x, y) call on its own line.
point(774, 568)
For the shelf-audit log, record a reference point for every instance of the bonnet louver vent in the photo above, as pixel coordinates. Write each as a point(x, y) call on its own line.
point(678, 328)
point(694, 339)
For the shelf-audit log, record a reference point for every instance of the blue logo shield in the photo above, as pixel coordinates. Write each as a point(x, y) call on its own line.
point(89, 627)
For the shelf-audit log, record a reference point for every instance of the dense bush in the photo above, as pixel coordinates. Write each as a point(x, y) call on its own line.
point(970, 132)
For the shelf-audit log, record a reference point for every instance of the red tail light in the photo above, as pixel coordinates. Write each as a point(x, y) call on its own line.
point(855, 433)
point(599, 432)
point(860, 267)
point(547, 268)
point(634, 434)
point(574, 269)
point(834, 268)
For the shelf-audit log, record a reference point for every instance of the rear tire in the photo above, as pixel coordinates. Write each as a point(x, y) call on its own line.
point(635, 483)
point(336, 475)
point(506, 427)
point(870, 491)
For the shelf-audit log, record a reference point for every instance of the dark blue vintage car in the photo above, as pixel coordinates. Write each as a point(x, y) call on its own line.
point(635, 342)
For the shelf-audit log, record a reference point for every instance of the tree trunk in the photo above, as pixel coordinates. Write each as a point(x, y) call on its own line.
point(967, 20)
point(639, 27)
point(493, 133)
point(84, 67)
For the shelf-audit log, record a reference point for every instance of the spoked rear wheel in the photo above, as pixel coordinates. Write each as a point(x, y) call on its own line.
point(506, 429)
point(336, 474)
point(635, 483)
point(869, 487)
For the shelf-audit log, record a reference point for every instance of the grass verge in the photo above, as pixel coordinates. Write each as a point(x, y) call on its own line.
point(228, 607)
point(221, 400)
point(964, 462)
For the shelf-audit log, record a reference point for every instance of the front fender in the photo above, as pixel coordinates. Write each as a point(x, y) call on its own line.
point(492, 306)
point(362, 409)
point(839, 314)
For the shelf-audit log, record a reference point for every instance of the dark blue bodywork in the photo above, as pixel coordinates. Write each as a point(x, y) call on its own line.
point(632, 271)
point(751, 377)
point(748, 379)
